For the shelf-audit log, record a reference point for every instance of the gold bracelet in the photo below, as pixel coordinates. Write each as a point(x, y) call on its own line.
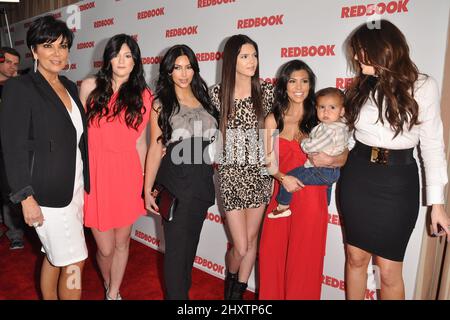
point(281, 179)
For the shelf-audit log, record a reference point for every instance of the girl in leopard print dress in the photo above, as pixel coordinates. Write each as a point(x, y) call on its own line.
point(243, 102)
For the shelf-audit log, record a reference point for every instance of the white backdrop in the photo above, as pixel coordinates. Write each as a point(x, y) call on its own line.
point(284, 29)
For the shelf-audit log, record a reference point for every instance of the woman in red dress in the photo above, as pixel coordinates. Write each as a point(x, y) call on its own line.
point(118, 105)
point(292, 249)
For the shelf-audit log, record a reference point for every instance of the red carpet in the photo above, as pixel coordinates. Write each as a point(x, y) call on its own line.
point(19, 274)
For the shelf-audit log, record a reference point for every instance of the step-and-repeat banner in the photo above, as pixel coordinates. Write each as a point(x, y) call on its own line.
point(311, 30)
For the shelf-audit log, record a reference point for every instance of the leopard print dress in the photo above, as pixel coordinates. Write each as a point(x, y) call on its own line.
point(243, 179)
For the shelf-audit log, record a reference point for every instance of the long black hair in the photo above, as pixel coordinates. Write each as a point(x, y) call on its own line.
point(129, 97)
point(281, 99)
point(165, 89)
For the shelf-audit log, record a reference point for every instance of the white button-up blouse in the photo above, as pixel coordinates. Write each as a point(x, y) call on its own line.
point(429, 134)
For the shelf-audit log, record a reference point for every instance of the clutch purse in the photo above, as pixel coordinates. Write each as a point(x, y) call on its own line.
point(166, 202)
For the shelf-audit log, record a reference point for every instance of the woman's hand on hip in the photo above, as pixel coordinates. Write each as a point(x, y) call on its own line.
point(32, 213)
point(292, 184)
point(439, 218)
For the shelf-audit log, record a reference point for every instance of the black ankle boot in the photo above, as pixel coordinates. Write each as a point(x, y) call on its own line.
point(238, 291)
point(230, 280)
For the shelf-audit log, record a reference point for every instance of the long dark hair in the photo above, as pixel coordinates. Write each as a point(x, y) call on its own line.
point(230, 54)
point(129, 97)
point(385, 48)
point(281, 99)
point(165, 89)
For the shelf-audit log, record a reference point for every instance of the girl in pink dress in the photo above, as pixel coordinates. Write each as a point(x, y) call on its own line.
point(118, 104)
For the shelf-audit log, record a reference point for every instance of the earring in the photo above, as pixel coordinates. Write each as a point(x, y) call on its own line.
point(35, 65)
point(69, 68)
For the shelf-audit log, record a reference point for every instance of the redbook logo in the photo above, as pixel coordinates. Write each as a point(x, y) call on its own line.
point(209, 3)
point(184, 31)
point(72, 66)
point(334, 219)
point(98, 64)
point(19, 43)
point(148, 238)
point(217, 218)
point(87, 6)
point(308, 51)
point(260, 22)
point(85, 45)
point(147, 14)
point(371, 9)
point(104, 23)
point(270, 80)
point(340, 284)
point(209, 56)
point(343, 83)
point(218, 268)
point(151, 60)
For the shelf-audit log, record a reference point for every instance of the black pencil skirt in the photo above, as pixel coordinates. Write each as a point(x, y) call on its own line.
point(379, 204)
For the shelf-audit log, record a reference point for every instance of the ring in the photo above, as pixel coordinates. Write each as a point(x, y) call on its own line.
point(35, 224)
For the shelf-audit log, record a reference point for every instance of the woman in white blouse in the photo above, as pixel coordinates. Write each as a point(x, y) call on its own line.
point(392, 109)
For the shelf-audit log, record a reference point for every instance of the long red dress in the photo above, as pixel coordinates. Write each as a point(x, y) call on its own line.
point(292, 249)
point(116, 178)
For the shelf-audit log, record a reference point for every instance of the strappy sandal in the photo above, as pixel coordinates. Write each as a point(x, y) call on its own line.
point(107, 297)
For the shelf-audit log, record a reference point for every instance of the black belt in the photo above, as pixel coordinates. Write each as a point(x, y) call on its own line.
point(383, 156)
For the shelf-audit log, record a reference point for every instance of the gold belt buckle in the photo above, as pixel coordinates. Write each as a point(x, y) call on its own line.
point(379, 155)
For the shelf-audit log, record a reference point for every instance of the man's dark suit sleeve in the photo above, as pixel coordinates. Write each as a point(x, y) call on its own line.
point(15, 117)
